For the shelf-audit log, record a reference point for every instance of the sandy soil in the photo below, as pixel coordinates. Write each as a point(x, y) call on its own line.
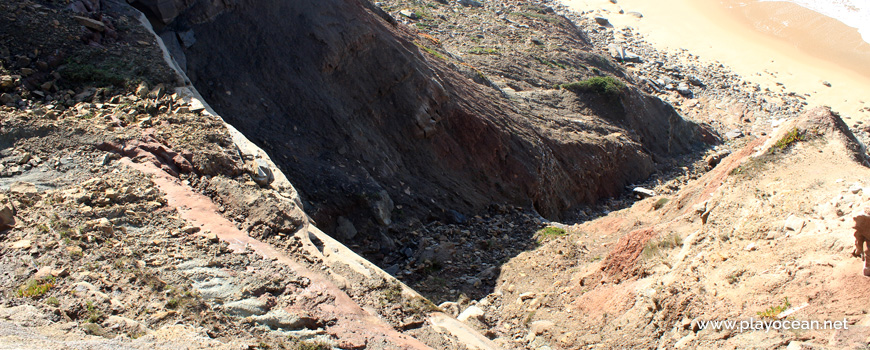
point(753, 41)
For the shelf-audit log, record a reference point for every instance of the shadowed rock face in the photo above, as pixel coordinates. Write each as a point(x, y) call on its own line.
point(369, 127)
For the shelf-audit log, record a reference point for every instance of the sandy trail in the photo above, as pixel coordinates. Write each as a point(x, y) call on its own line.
point(753, 41)
point(353, 326)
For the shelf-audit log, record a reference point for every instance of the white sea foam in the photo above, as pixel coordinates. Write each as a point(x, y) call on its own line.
point(853, 13)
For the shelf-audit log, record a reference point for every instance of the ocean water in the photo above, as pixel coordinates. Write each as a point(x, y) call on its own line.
point(853, 13)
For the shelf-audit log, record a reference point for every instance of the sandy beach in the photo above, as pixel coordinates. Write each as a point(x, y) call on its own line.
point(779, 45)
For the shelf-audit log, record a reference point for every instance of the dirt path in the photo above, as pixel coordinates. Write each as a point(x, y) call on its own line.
point(354, 326)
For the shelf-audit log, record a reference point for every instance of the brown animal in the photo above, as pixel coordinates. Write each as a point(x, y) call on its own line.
point(862, 238)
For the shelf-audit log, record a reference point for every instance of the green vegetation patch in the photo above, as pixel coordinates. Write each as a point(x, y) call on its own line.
point(792, 137)
point(36, 288)
point(549, 233)
point(431, 51)
point(608, 85)
point(774, 311)
point(483, 51)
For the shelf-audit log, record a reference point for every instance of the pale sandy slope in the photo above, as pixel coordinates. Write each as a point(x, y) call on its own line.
point(810, 50)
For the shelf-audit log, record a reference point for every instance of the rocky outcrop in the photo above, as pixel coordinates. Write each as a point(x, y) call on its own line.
point(371, 127)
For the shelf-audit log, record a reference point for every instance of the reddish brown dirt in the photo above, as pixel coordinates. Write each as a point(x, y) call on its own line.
point(622, 260)
point(353, 325)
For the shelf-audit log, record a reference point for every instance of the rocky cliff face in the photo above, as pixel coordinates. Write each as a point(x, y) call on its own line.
point(377, 123)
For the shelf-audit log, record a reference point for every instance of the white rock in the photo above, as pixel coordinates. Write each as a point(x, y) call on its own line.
point(794, 223)
point(750, 247)
point(643, 192)
point(472, 312)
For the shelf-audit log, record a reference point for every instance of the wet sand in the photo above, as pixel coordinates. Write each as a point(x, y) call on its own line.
point(755, 42)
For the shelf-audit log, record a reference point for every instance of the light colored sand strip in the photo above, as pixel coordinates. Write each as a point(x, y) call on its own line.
point(709, 29)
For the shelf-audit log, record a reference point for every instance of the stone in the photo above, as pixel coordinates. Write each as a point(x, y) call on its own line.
point(602, 21)
point(212, 237)
point(74, 250)
point(470, 3)
point(246, 307)
point(620, 53)
point(382, 207)
point(43, 272)
point(714, 159)
point(190, 229)
point(750, 247)
point(634, 14)
point(21, 244)
point(410, 14)
point(856, 188)
point(196, 106)
point(90, 23)
point(6, 98)
point(643, 192)
point(794, 223)
point(142, 90)
point(111, 193)
point(187, 38)
point(7, 213)
point(345, 229)
point(632, 57)
point(7, 82)
point(125, 325)
point(101, 225)
point(733, 134)
point(541, 327)
point(261, 173)
point(157, 92)
point(23, 61)
point(472, 312)
point(683, 89)
point(450, 307)
point(826, 83)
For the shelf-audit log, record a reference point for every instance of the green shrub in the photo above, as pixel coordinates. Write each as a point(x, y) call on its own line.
point(94, 315)
point(774, 311)
point(549, 232)
point(600, 85)
point(36, 288)
point(790, 138)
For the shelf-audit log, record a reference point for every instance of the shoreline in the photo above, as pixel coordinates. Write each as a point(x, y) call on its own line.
point(716, 35)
